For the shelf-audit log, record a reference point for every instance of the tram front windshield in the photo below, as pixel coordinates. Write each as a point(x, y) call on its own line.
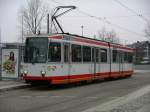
point(36, 50)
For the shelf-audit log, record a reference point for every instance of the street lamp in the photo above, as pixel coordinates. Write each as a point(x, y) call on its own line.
point(82, 29)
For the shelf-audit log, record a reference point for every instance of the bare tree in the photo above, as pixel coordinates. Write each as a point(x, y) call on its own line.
point(109, 36)
point(147, 31)
point(33, 14)
point(102, 33)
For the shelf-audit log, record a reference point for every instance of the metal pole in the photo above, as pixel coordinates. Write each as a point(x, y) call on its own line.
point(82, 29)
point(35, 26)
point(0, 34)
point(47, 23)
point(22, 29)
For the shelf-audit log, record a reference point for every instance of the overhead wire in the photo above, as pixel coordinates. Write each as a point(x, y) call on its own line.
point(110, 23)
point(131, 10)
point(103, 19)
point(124, 16)
point(113, 17)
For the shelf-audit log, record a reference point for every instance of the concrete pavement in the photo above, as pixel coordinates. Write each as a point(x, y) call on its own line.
point(130, 102)
point(6, 85)
point(121, 95)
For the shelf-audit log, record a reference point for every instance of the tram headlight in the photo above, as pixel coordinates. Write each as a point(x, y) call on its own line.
point(43, 73)
point(25, 72)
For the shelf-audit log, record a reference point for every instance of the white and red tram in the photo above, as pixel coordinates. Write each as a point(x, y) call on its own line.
point(66, 58)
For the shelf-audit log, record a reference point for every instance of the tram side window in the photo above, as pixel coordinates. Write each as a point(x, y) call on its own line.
point(86, 54)
point(76, 53)
point(121, 56)
point(125, 57)
point(66, 53)
point(130, 57)
point(95, 55)
point(103, 55)
point(54, 54)
point(115, 56)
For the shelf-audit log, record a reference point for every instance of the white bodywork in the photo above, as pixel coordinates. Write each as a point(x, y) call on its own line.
point(70, 69)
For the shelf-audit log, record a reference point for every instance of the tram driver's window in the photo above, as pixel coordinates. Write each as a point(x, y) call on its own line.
point(54, 54)
point(103, 55)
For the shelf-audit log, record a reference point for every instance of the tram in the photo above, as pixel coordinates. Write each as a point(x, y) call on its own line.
point(67, 58)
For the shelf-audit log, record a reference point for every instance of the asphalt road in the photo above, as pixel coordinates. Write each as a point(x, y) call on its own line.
point(142, 67)
point(82, 98)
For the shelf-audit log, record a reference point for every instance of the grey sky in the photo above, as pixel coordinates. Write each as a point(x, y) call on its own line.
point(72, 22)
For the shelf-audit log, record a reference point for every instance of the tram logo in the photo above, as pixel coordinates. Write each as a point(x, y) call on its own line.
point(51, 68)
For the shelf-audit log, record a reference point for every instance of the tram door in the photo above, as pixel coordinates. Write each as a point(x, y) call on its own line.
point(121, 62)
point(95, 61)
point(66, 59)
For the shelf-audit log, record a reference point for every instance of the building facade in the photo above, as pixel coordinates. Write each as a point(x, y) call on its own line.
point(142, 52)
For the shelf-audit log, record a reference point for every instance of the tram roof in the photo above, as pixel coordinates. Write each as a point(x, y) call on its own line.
point(79, 36)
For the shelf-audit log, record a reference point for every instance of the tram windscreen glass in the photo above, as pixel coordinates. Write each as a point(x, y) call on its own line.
point(36, 50)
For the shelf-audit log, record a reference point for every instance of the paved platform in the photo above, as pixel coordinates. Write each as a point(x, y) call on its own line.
point(6, 85)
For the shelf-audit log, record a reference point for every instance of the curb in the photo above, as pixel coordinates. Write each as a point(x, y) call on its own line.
point(141, 71)
point(13, 87)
